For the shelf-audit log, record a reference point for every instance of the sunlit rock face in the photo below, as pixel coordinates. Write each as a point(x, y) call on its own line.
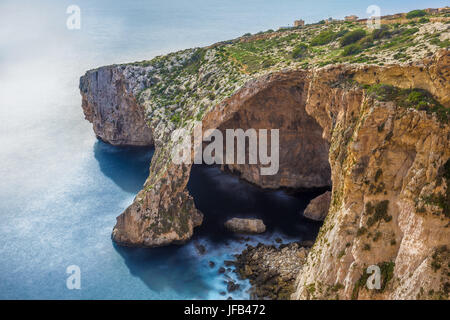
point(389, 171)
point(109, 103)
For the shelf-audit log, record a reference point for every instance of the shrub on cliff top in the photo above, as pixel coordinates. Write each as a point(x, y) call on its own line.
point(352, 37)
point(416, 14)
point(323, 38)
point(381, 33)
point(193, 64)
point(299, 51)
point(351, 50)
point(410, 98)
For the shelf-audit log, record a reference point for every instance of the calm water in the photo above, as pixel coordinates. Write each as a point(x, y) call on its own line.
point(61, 189)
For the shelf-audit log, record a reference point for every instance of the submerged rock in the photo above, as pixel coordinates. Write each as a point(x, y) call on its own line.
point(228, 263)
point(318, 208)
point(245, 225)
point(232, 286)
point(200, 248)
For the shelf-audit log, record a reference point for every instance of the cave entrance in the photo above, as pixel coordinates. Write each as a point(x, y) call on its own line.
point(239, 190)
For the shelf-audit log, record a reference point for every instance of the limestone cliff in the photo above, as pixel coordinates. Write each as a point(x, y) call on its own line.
point(109, 103)
point(390, 202)
point(377, 131)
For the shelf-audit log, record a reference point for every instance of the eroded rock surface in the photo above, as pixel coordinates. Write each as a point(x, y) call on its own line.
point(250, 226)
point(318, 208)
point(109, 103)
point(271, 270)
point(277, 101)
point(390, 196)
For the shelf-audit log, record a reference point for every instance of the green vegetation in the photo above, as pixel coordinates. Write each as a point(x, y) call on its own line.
point(410, 98)
point(175, 118)
point(378, 212)
point(352, 37)
point(436, 262)
point(437, 41)
point(381, 33)
point(195, 62)
point(361, 283)
point(323, 38)
point(443, 200)
point(351, 50)
point(410, 31)
point(387, 274)
point(361, 231)
point(184, 85)
point(300, 51)
point(416, 14)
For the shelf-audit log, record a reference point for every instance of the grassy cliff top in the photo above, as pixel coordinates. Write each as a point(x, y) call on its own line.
point(187, 83)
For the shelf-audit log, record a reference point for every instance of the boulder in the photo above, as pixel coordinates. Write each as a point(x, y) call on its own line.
point(232, 286)
point(245, 225)
point(318, 208)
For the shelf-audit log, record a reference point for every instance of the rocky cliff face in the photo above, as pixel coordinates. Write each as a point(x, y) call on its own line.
point(109, 103)
point(388, 162)
point(390, 202)
point(277, 101)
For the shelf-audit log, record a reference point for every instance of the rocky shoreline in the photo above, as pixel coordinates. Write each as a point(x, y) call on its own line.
point(272, 270)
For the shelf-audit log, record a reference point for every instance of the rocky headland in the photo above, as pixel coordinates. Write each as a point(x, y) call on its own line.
point(363, 111)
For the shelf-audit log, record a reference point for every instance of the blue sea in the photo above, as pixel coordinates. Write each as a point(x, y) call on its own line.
point(61, 189)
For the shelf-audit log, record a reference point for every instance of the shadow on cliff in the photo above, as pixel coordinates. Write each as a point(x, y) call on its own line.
point(221, 196)
point(128, 167)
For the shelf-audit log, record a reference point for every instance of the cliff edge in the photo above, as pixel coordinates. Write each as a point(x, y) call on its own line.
point(370, 120)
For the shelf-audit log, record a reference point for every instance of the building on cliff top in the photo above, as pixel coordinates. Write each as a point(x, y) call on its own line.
point(330, 20)
point(299, 23)
point(351, 18)
point(431, 10)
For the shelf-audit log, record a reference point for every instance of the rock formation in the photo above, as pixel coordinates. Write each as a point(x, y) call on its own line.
point(245, 225)
point(387, 157)
point(318, 208)
point(390, 196)
point(109, 103)
point(271, 270)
